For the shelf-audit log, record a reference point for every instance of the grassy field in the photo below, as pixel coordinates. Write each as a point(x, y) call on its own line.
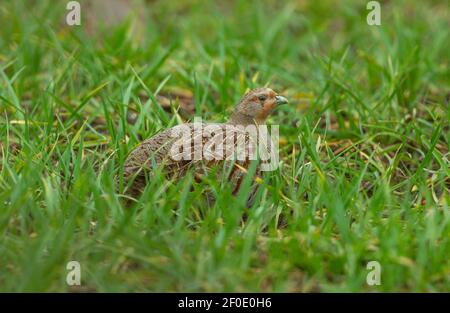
point(364, 151)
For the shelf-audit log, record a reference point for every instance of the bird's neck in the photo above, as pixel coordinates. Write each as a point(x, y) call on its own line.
point(238, 118)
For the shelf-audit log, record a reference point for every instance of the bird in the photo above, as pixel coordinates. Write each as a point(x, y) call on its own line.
point(182, 147)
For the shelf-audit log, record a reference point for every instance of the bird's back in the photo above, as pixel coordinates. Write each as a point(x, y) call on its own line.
point(183, 147)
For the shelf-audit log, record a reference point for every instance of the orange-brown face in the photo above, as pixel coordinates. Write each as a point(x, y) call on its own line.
point(259, 103)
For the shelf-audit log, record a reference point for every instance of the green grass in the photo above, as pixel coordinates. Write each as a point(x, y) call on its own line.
point(364, 160)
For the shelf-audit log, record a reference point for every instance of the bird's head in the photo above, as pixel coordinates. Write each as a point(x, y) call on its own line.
point(256, 105)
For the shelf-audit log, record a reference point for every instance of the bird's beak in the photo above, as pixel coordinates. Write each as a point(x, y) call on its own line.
point(281, 100)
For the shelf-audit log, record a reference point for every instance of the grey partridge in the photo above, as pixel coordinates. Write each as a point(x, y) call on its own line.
point(182, 147)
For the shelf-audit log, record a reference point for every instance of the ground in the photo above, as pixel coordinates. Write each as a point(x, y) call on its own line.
point(364, 148)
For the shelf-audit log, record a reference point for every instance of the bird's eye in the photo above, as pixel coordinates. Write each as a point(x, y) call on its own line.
point(262, 98)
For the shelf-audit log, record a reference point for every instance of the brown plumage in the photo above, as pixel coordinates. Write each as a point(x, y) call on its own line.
point(165, 149)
